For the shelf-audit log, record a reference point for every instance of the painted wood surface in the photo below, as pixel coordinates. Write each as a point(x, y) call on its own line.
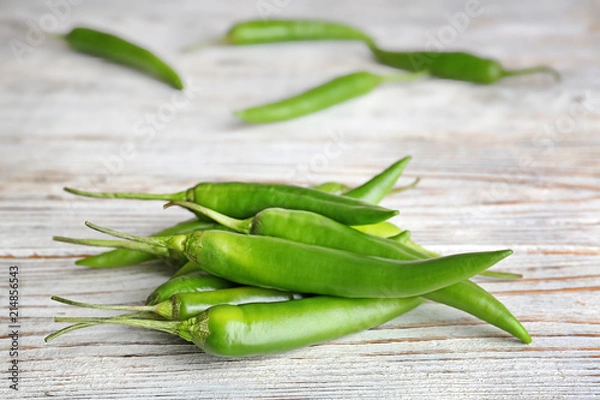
point(510, 165)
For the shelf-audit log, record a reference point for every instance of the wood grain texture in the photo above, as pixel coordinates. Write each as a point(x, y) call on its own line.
point(510, 165)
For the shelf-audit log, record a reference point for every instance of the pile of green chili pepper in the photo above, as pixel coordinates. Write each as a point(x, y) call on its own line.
point(268, 268)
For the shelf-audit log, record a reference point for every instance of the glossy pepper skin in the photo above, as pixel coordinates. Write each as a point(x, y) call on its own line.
point(297, 267)
point(188, 305)
point(117, 50)
point(376, 188)
point(333, 92)
point(309, 228)
point(273, 30)
point(258, 329)
point(193, 282)
point(472, 298)
point(244, 200)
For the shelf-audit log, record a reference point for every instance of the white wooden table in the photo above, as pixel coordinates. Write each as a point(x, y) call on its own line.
point(510, 165)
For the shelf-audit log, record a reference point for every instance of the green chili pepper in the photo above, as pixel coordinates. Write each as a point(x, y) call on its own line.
point(308, 228)
point(257, 329)
point(454, 65)
point(314, 229)
point(380, 185)
point(115, 49)
point(197, 281)
point(273, 31)
point(123, 257)
point(472, 298)
point(182, 306)
point(243, 200)
point(273, 263)
point(318, 98)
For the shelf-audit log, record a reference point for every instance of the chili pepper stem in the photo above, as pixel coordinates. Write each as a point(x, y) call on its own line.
point(74, 327)
point(68, 329)
point(533, 70)
point(407, 187)
point(121, 244)
point(174, 242)
point(238, 225)
point(191, 330)
point(501, 275)
point(164, 309)
point(219, 41)
point(129, 195)
point(59, 36)
point(163, 326)
point(404, 77)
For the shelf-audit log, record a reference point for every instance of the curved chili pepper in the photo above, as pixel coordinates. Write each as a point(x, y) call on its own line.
point(380, 185)
point(323, 96)
point(115, 49)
